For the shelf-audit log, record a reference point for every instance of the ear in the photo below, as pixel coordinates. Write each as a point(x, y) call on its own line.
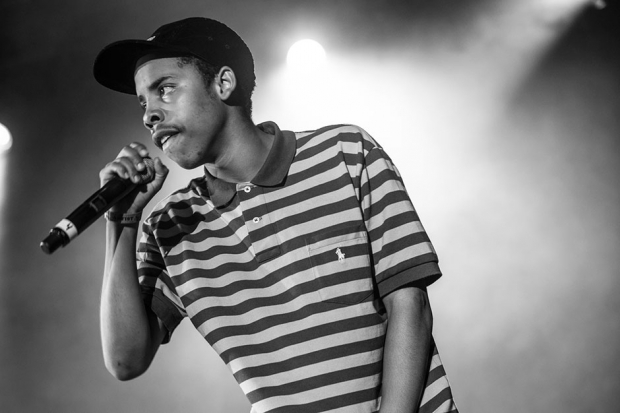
point(225, 83)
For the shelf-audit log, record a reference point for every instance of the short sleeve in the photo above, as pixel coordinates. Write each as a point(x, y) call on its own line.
point(402, 252)
point(158, 291)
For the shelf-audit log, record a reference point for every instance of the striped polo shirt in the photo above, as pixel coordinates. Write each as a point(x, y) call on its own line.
point(283, 276)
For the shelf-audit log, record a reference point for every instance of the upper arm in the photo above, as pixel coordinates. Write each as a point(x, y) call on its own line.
point(157, 330)
point(410, 301)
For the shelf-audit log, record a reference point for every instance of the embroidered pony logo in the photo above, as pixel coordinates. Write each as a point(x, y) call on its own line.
point(340, 255)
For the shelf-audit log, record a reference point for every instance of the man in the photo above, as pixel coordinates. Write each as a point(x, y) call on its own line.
point(298, 256)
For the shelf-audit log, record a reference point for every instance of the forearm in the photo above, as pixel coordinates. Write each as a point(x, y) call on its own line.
point(407, 350)
point(125, 332)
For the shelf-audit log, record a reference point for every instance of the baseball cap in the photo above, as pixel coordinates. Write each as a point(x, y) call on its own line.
point(204, 38)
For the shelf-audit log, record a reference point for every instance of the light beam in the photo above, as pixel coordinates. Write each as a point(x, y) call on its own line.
point(6, 141)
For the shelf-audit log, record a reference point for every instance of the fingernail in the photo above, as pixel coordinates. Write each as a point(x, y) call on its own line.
point(140, 166)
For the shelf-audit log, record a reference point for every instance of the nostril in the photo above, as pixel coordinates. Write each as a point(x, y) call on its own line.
point(147, 122)
point(151, 119)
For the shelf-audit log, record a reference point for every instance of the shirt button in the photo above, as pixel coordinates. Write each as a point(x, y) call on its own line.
point(256, 220)
point(247, 189)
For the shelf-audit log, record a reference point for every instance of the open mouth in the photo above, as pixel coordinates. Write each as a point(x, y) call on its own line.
point(165, 141)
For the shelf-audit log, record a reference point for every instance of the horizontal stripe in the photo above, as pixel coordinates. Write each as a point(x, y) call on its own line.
point(436, 386)
point(313, 345)
point(353, 402)
point(315, 382)
point(325, 355)
point(284, 330)
point(440, 403)
point(315, 370)
point(301, 402)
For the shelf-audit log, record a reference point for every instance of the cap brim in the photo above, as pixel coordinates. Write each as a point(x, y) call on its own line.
point(115, 65)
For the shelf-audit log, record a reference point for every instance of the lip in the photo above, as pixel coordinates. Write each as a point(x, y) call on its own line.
point(160, 136)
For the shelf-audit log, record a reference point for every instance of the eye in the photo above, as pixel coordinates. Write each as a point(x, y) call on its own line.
point(165, 90)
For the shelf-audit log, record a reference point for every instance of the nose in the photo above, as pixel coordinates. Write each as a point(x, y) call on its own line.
point(152, 116)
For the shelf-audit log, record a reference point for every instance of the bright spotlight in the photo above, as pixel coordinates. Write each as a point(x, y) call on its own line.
point(5, 138)
point(305, 55)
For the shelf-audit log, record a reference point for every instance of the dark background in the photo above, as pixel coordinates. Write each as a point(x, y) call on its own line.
point(502, 116)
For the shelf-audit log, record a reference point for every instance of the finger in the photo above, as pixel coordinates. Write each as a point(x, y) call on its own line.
point(136, 152)
point(161, 171)
point(140, 148)
point(133, 167)
point(160, 167)
point(114, 169)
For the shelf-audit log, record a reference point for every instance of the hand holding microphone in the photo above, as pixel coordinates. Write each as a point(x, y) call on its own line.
point(127, 185)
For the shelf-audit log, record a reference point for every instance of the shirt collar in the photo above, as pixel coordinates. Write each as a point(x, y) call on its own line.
point(272, 173)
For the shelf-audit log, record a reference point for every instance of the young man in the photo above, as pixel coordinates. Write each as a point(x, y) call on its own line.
point(298, 256)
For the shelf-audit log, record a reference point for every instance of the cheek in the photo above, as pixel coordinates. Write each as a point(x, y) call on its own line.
point(200, 114)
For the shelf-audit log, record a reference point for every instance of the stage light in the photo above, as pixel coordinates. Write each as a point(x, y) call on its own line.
point(306, 55)
point(5, 139)
point(599, 4)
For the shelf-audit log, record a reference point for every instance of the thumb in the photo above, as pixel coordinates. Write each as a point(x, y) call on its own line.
point(161, 172)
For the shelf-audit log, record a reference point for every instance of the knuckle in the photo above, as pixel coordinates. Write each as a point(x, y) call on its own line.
point(128, 150)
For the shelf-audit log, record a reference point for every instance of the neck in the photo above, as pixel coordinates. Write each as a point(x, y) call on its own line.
point(243, 154)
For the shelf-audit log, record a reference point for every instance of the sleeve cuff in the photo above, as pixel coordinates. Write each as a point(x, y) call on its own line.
point(164, 310)
point(423, 274)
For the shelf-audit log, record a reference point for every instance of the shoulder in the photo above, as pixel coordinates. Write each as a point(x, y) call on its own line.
point(333, 131)
point(336, 135)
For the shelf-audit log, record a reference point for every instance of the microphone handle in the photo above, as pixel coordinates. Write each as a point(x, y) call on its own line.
point(87, 213)
point(95, 206)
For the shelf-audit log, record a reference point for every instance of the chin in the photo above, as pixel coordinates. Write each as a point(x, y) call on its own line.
point(187, 163)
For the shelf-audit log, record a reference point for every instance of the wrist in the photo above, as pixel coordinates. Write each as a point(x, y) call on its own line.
point(126, 218)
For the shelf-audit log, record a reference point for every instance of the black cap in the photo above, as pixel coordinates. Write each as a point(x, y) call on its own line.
point(206, 39)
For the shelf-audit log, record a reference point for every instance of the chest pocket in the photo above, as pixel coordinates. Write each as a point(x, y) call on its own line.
point(341, 264)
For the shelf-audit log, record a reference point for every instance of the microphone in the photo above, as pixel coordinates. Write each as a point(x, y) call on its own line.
point(91, 209)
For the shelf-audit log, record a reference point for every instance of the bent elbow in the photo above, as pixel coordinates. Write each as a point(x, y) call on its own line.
point(124, 374)
point(125, 371)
